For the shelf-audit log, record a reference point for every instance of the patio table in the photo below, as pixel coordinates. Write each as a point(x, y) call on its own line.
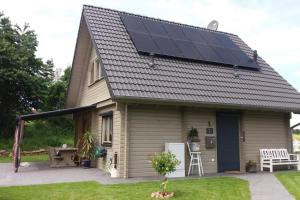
point(67, 155)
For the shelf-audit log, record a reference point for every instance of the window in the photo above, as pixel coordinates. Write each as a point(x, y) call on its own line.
point(107, 130)
point(92, 78)
point(98, 70)
point(95, 70)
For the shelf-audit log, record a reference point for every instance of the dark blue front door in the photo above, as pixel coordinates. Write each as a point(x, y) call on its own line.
point(228, 142)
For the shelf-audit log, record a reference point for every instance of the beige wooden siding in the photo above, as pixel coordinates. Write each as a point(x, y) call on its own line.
point(92, 93)
point(263, 130)
point(101, 163)
point(149, 128)
point(200, 119)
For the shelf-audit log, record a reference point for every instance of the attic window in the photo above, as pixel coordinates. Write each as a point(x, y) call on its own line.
point(98, 71)
point(92, 78)
point(95, 70)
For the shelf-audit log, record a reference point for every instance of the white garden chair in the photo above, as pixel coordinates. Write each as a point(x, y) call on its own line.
point(195, 161)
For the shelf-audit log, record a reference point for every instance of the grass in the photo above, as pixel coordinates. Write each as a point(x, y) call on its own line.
point(291, 181)
point(27, 158)
point(296, 137)
point(206, 188)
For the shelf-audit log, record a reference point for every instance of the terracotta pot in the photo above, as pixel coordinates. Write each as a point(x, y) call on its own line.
point(252, 169)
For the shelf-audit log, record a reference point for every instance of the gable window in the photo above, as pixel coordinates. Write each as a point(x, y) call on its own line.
point(95, 72)
point(92, 78)
point(97, 68)
point(107, 129)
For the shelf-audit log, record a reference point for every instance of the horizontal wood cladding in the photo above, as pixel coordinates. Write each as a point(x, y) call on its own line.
point(264, 130)
point(116, 134)
point(95, 92)
point(149, 128)
point(200, 119)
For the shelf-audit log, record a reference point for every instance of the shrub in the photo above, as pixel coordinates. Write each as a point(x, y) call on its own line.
point(164, 163)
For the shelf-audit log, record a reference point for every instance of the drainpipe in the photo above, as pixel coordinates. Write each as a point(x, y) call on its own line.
point(126, 142)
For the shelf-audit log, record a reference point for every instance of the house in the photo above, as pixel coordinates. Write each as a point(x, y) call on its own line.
point(149, 86)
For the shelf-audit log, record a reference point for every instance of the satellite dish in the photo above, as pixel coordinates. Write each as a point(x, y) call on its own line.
point(213, 25)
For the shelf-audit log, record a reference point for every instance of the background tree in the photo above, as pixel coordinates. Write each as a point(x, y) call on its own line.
point(24, 78)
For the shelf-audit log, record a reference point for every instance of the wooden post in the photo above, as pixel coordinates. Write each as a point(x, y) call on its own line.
point(16, 148)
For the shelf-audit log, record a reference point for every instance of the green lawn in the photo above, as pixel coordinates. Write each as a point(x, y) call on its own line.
point(291, 181)
point(296, 137)
point(33, 158)
point(206, 188)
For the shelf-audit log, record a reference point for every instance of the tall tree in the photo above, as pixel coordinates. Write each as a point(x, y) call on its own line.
point(23, 76)
point(55, 98)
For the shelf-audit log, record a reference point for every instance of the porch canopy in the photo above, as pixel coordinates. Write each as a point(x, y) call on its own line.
point(19, 132)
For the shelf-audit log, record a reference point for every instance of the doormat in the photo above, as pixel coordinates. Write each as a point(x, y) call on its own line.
point(234, 172)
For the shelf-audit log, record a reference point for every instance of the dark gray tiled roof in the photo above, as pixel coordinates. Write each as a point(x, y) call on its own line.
point(129, 75)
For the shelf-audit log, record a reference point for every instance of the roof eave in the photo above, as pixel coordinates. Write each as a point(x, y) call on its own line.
point(147, 100)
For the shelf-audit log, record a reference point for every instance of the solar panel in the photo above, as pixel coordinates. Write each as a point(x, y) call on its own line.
point(227, 55)
point(193, 35)
point(208, 54)
point(225, 41)
point(135, 24)
point(187, 49)
point(144, 43)
point(174, 31)
point(167, 46)
point(154, 28)
point(166, 39)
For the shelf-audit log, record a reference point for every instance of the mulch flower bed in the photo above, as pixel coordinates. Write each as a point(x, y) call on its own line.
point(162, 195)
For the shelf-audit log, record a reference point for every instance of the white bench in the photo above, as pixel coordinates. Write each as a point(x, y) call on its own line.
point(272, 157)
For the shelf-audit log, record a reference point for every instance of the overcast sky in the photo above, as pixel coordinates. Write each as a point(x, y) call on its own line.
point(271, 27)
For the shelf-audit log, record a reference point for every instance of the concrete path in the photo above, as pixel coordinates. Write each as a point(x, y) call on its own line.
point(265, 186)
point(41, 173)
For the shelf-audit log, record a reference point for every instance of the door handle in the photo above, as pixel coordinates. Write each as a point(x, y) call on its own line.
point(243, 138)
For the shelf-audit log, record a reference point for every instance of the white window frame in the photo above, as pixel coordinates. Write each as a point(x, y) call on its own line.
point(98, 70)
point(95, 70)
point(107, 130)
point(92, 73)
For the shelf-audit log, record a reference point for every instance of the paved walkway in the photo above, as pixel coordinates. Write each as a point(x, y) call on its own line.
point(265, 186)
point(41, 173)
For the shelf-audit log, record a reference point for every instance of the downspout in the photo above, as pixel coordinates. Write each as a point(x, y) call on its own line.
point(126, 142)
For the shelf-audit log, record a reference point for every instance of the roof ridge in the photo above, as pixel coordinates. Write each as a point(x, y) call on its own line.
point(162, 20)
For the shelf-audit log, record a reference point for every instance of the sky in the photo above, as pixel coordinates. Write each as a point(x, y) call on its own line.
point(272, 27)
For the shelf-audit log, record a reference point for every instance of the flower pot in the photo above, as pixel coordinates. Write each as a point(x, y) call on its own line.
point(114, 173)
point(86, 163)
point(195, 146)
point(252, 169)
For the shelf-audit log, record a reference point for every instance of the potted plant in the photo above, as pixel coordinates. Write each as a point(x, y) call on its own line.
point(251, 166)
point(164, 163)
point(88, 149)
point(193, 139)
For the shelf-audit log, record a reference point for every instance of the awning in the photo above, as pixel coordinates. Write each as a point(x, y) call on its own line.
point(56, 113)
point(20, 127)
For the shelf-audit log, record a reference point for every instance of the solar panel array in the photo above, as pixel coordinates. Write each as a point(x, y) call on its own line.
point(162, 38)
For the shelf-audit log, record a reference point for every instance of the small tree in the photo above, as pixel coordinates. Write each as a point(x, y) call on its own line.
point(164, 163)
